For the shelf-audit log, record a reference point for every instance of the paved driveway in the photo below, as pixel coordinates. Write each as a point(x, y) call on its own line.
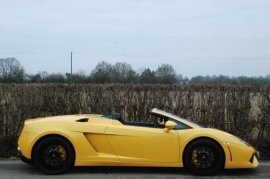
point(17, 169)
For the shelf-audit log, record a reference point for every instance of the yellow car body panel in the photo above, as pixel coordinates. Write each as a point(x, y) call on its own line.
point(99, 141)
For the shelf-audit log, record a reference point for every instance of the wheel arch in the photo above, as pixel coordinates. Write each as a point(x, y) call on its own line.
point(52, 135)
point(205, 138)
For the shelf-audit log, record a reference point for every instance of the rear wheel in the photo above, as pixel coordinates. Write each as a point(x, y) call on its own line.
point(54, 155)
point(204, 157)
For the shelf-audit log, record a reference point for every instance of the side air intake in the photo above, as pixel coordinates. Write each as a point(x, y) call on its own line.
point(82, 120)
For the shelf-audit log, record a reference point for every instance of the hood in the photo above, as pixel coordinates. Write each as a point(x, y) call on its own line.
point(226, 137)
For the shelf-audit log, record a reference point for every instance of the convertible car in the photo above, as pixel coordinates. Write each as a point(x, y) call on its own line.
point(55, 144)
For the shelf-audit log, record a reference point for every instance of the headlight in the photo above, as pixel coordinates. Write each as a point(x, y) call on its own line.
point(236, 140)
point(226, 143)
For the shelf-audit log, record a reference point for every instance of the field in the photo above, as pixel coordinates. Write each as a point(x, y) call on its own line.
point(241, 110)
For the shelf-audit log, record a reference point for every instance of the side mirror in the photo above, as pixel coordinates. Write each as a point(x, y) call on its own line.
point(169, 125)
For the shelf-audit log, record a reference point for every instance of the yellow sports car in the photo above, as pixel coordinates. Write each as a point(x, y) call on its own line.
point(55, 144)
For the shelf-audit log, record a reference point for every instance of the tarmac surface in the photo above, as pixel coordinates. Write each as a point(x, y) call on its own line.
point(17, 169)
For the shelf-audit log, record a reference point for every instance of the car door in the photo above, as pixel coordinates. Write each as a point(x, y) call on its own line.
point(143, 144)
point(94, 146)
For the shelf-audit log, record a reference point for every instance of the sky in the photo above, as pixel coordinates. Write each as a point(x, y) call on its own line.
point(197, 37)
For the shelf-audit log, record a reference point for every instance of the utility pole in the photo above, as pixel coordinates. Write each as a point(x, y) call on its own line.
point(71, 63)
point(71, 67)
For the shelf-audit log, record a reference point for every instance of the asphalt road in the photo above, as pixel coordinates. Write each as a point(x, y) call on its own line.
point(17, 169)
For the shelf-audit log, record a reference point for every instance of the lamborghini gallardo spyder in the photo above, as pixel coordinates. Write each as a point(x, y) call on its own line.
point(56, 144)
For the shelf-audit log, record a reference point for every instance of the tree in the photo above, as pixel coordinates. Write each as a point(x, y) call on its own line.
point(38, 78)
point(123, 73)
point(166, 74)
point(11, 71)
point(55, 78)
point(117, 73)
point(148, 77)
point(131, 77)
point(102, 73)
point(80, 77)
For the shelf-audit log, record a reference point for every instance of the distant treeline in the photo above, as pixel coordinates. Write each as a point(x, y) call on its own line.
point(11, 71)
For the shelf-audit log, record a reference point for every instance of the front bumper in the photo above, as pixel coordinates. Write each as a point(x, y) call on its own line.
point(257, 154)
point(241, 156)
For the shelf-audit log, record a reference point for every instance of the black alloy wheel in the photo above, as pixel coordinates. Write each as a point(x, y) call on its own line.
point(54, 155)
point(204, 157)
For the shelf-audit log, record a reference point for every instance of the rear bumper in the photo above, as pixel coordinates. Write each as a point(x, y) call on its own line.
point(23, 158)
point(19, 153)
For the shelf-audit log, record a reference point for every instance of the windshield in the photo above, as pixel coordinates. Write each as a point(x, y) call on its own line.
point(190, 120)
point(178, 118)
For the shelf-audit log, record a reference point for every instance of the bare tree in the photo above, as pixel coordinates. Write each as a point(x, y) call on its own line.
point(123, 73)
point(102, 73)
point(117, 73)
point(11, 71)
point(166, 74)
point(148, 76)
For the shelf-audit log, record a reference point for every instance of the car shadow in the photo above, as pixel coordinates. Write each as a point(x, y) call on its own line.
point(125, 170)
point(101, 170)
point(156, 170)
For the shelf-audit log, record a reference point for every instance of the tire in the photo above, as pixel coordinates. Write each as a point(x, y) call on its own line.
point(204, 157)
point(54, 155)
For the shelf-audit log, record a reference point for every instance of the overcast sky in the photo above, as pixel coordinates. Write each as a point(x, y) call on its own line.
point(197, 37)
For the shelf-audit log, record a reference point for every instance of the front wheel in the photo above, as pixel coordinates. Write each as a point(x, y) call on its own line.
point(204, 157)
point(54, 155)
